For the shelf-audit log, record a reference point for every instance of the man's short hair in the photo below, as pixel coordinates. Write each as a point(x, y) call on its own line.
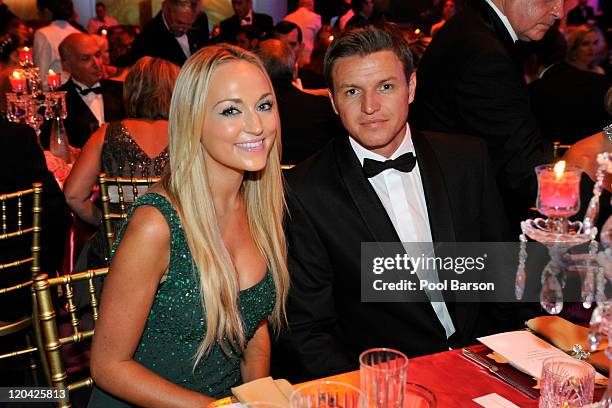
point(365, 40)
point(60, 9)
point(192, 4)
point(278, 59)
point(100, 4)
point(250, 31)
point(285, 27)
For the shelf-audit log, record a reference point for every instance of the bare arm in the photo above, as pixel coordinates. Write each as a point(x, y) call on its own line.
point(83, 177)
point(256, 359)
point(129, 290)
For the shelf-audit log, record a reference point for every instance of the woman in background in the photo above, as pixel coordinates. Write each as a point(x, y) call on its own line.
point(582, 48)
point(200, 267)
point(134, 147)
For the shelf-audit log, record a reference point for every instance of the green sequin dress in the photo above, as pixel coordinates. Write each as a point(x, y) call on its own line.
point(176, 324)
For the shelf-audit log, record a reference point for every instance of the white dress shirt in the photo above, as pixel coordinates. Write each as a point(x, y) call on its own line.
point(403, 197)
point(504, 20)
point(46, 42)
point(248, 19)
point(183, 40)
point(93, 100)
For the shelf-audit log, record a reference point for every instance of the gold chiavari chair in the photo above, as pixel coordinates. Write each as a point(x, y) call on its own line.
point(13, 232)
point(559, 149)
point(52, 342)
point(119, 193)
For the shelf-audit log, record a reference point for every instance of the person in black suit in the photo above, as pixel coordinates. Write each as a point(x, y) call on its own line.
point(445, 194)
point(567, 102)
point(363, 10)
point(244, 15)
point(176, 32)
point(581, 14)
point(308, 121)
point(470, 81)
point(90, 100)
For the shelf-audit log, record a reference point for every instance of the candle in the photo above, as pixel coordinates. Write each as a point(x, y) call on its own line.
point(559, 190)
point(17, 81)
point(25, 55)
point(104, 32)
point(53, 79)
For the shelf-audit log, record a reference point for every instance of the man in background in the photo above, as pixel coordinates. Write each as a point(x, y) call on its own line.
point(176, 32)
point(101, 20)
point(244, 15)
point(310, 24)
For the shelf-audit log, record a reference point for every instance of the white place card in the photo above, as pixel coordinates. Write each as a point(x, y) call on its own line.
point(494, 400)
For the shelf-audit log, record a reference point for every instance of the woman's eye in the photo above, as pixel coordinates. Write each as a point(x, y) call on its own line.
point(266, 106)
point(231, 111)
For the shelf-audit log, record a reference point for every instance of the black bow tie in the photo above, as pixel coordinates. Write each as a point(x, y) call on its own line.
point(97, 90)
point(404, 163)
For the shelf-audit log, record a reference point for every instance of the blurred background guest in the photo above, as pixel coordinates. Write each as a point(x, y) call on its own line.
point(47, 39)
point(310, 24)
point(247, 37)
point(447, 12)
point(133, 147)
point(581, 14)
point(311, 74)
point(90, 100)
point(244, 15)
point(120, 42)
point(308, 121)
point(108, 70)
point(291, 34)
point(363, 11)
point(101, 20)
point(173, 34)
point(582, 48)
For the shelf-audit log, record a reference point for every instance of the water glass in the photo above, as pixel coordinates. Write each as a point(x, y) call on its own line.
point(566, 382)
point(418, 396)
point(383, 374)
point(327, 394)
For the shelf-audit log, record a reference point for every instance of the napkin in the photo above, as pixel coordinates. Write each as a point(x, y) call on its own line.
point(565, 334)
point(265, 389)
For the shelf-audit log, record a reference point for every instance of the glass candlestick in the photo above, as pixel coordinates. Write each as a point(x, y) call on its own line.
point(558, 194)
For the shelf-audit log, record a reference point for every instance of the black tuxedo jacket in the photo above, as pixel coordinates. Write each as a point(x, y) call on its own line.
point(230, 26)
point(156, 41)
point(569, 103)
point(81, 122)
point(308, 122)
point(22, 163)
point(470, 81)
point(576, 17)
point(332, 210)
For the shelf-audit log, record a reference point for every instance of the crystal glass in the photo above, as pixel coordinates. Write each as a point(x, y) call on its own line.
point(383, 374)
point(327, 394)
point(418, 396)
point(566, 382)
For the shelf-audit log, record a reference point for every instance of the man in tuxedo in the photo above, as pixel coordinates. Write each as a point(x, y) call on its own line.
point(308, 121)
point(176, 32)
point(244, 15)
point(90, 100)
point(368, 186)
point(581, 14)
point(470, 81)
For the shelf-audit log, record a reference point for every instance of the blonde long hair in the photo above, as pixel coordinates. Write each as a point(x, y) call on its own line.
point(188, 185)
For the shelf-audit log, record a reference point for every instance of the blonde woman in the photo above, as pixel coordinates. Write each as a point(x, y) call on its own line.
point(582, 48)
point(200, 269)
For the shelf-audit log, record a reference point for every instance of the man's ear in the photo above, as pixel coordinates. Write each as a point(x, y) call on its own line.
point(412, 86)
point(331, 98)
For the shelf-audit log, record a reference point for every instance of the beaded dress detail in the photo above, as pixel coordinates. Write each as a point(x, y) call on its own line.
point(122, 157)
point(176, 323)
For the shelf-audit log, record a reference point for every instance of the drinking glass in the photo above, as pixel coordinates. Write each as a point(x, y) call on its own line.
point(566, 382)
point(327, 394)
point(418, 396)
point(383, 374)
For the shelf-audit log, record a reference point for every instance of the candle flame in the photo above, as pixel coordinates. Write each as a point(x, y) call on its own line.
point(104, 32)
point(331, 38)
point(51, 72)
point(26, 49)
point(417, 31)
point(559, 169)
point(16, 75)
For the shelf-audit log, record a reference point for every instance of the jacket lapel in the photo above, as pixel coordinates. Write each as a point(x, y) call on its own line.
point(434, 186)
point(79, 107)
point(370, 208)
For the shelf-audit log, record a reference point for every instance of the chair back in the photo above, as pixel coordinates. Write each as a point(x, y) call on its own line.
point(121, 192)
point(52, 342)
point(16, 225)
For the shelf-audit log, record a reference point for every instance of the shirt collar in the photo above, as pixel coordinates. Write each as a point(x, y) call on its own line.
point(362, 153)
point(504, 20)
point(250, 15)
point(80, 86)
